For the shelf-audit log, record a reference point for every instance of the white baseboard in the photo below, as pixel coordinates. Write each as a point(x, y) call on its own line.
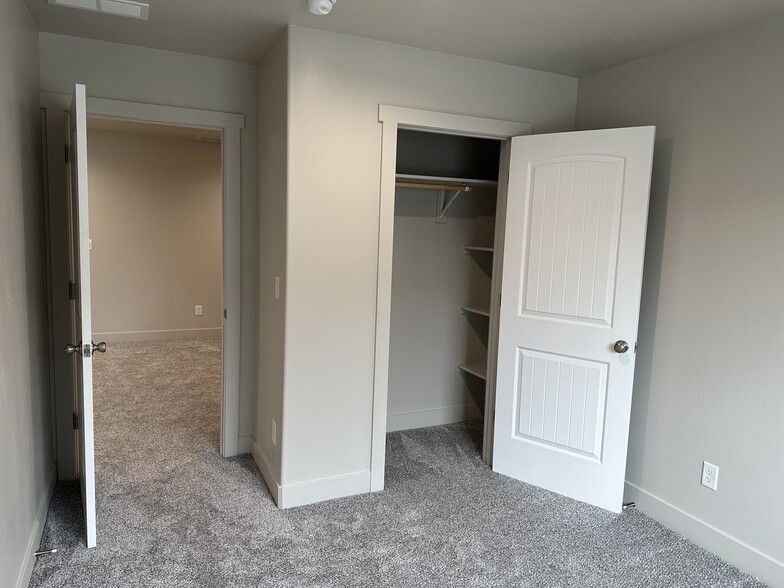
point(433, 417)
point(26, 570)
point(727, 547)
point(166, 335)
point(245, 444)
point(312, 491)
point(266, 472)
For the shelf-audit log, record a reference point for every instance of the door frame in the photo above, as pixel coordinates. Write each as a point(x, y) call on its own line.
point(230, 125)
point(393, 118)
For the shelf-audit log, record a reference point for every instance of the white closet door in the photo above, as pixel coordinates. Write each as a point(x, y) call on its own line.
point(572, 272)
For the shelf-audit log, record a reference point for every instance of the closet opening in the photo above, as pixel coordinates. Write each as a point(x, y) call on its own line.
point(444, 298)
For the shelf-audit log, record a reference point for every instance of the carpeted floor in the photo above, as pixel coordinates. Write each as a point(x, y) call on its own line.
point(172, 512)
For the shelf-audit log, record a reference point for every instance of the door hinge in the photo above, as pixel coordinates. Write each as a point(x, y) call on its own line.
point(66, 154)
point(71, 291)
point(225, 313)
point(75, 421)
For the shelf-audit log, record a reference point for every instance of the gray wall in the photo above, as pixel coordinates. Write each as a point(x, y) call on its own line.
point(26, 456)
point(432, 278)
point(336, 84)
point(155, 226)
point(708, 385)
point(273, 169)
point(138, 74)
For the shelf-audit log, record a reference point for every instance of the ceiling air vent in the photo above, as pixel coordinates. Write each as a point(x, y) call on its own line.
point(128, 8)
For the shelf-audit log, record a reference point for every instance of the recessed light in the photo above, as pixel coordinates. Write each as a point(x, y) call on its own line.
point(129, 8)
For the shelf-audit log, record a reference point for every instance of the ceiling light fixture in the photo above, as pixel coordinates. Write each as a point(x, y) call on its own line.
point(129, 8)
point(320, 6)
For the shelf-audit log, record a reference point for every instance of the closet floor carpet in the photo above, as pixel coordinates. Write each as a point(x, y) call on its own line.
point(172, 512)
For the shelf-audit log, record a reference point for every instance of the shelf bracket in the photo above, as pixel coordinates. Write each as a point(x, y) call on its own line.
point(445, 199)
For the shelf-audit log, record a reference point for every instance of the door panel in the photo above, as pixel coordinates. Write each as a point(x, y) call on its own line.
point(575, 238)
point(82, 335)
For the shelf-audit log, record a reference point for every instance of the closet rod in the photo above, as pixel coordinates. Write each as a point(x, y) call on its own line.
point(451, 187)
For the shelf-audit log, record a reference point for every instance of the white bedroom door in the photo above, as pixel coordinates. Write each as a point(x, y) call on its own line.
point(572, 273)
point(82, 346)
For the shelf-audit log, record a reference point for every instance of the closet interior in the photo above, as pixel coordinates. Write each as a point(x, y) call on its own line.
point(444, 305)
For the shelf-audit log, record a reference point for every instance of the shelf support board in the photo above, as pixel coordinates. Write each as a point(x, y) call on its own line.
point(443, 204)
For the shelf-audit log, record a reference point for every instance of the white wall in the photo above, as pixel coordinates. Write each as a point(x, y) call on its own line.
point(708, 385)
point(334, 149)
point(156, 232)
point(26, 456)
point(125, 72)
point(273, 168)
point(432, 278)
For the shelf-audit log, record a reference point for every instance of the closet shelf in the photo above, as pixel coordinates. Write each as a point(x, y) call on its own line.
point(472, 248)
point(441, 182)
point(476, 309)
point(453, 186)
point(475, 368)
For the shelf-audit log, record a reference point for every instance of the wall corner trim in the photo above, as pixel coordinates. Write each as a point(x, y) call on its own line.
point(26, 569)
point(727, 547)
point(266, 472)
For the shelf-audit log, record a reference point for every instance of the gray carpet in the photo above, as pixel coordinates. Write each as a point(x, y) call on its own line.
point(172, 512)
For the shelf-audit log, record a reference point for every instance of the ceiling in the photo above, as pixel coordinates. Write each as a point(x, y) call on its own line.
point(573, 37)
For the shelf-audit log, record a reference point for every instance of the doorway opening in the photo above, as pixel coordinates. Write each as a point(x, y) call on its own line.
point(440, 241)
point(443, 306)
point(155, 209)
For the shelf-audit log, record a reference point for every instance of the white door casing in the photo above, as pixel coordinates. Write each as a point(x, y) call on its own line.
point(82, 324)
point(572, 274)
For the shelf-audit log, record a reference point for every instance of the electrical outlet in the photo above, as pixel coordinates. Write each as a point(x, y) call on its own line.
point(277, 287)
point(274, 433)
point(710, 476)
point(199, 310)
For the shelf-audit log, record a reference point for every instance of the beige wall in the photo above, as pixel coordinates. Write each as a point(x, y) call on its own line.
point(139, 74)
point(708, 385)
point(273, 181)
point(336, 85)
point(25, 424)
point(155, 225)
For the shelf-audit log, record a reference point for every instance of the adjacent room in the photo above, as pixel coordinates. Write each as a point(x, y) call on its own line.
point(318, 293)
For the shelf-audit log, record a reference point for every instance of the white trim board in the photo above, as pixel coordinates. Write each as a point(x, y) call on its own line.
point(724, 545)
point(312, 491)
point(245, 444)
point(162, 335)
point(26, 570)
point(392, 118)
point(266, 472)
point(151, 113)
point(231, 124)
point(433, 417)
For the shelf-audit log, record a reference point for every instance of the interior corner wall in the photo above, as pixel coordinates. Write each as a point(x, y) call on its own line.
point(156, 235)
point(336, 85)
point(273, 169)
point(25, 419)
point(708, 384)
point(139, 74)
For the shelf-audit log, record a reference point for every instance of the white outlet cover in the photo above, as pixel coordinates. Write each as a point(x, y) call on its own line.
point(710, 476)
point(199, 310)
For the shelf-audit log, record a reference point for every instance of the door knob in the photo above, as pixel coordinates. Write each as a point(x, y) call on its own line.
point(69, 349)
point(621, 346)
point(99, 347)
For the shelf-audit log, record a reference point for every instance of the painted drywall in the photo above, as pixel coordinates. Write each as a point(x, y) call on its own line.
point(25, 420)
point(432, 278)
point(708, 385)
point(273, 166)
point(336, 85)
point(125, 72)
point(155, 227)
